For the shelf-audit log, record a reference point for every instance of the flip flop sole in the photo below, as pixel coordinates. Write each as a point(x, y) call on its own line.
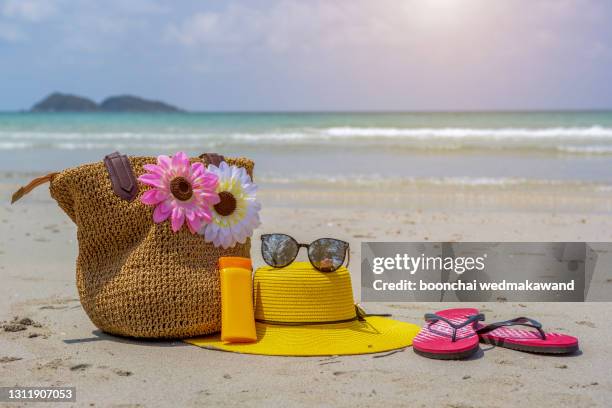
point(530, 349)
point(435, 339)
point(448, 356)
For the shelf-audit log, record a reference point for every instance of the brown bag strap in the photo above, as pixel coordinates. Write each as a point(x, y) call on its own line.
point(32, 185)
point(121, 175)
point(212, 158)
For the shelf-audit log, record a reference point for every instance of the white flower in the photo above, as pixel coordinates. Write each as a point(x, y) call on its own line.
point(237, 214)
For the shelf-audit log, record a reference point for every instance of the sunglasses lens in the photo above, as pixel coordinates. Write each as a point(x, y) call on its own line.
point(278, 250)
point(327, 254)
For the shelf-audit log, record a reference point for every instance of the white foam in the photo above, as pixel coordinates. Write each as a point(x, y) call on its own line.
point(51, 136)
point(459, 133)
point(586, 149)
point(382, 181)
point(15, 145)
point(571, 140)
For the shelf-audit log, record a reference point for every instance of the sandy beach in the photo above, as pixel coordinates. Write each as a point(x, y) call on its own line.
point(59, 346)
point(464, 147)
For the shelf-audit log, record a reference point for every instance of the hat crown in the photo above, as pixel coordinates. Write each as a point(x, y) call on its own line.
point(300, 293)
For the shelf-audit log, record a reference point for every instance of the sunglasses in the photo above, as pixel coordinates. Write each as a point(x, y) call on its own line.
point(325, 254)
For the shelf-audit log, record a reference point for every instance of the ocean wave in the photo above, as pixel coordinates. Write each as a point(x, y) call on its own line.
point(382, 182)
point(591, 132)
point(105, 146)
point(459, 133)
point(273, 136)
point(593, 140)
point(586, 149)
point(15, 145)
point(136, 136)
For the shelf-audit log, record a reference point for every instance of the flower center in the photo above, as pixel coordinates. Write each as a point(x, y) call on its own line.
point(226, 205)
point(181, 188)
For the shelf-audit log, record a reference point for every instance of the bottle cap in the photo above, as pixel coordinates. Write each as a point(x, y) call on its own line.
point(235, 262)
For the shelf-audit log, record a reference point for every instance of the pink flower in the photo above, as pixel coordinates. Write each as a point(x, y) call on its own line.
point(180, 191)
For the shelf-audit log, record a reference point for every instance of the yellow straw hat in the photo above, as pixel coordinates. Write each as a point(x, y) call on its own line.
point(303, 312)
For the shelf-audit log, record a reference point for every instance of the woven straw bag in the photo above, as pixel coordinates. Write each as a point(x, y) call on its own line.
point(135, 277)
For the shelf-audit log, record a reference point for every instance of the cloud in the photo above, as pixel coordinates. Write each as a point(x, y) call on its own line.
point(285, 26)
point(140, 7)
point(28, 10)
point(11, 34)
point(320, 53)
point(84, 25)
point(298, 26)
point(197, 29)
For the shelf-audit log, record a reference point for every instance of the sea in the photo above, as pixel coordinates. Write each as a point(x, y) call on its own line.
point(327, 149)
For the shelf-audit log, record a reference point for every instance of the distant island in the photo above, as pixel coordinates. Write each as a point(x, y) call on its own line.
point(59, 102)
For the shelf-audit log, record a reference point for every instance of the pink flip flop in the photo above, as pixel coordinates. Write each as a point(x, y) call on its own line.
point(533, 341)
point(449, 334)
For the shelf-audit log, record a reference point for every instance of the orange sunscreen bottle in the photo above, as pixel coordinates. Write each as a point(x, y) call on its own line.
point(237, 318)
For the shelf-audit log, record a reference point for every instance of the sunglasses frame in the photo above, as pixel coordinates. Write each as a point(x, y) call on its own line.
point(347, 252)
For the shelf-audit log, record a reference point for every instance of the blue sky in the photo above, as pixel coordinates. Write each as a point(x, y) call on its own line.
point(312, 55)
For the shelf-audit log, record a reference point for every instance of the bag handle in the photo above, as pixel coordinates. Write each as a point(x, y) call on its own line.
point(121, 175)
point(212, 158)
point(32, 185)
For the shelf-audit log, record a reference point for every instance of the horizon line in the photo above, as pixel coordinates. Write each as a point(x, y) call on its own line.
point(333, 111)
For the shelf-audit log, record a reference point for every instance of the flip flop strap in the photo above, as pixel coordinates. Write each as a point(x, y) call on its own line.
point(519, 321)
point(432, 318)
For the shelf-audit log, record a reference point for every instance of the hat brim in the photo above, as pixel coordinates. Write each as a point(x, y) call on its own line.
point(374, 335)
